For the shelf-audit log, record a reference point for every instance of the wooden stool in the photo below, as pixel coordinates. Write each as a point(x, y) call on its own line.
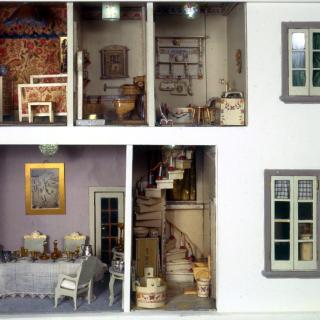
point(49, 113)
point(201, 115)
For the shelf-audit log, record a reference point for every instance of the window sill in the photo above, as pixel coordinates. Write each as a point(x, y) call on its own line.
point(291, 274)
point(300, 99)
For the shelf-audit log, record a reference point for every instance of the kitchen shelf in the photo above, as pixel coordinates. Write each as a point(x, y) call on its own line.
point(172, 53)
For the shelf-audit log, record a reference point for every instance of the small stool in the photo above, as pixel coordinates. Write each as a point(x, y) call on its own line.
point(49, 113)
point(201, 115)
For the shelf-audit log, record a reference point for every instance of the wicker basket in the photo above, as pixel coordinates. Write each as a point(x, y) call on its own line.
point(130, 90)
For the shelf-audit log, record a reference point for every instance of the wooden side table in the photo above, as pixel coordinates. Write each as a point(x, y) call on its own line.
point(201, 115)
point(114, 275)
point(49, 113)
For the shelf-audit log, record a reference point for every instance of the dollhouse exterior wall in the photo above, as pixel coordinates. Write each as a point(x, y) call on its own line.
point(278, 136)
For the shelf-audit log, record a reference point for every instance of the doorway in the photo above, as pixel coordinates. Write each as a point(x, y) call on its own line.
point(106, 212)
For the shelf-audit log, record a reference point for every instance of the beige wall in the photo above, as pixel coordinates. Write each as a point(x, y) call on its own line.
point(236, 40)
point(189, 222)
point(215, 57)
point(98, 34)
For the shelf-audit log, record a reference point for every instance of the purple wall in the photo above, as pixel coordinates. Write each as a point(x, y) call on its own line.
point(94, 166)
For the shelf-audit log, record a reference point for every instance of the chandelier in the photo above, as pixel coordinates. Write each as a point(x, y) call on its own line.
point(48, 150)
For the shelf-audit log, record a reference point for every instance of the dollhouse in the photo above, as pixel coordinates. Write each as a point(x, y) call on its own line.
point(189, 149)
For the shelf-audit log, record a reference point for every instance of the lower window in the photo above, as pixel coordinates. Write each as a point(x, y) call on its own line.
point(291, 221)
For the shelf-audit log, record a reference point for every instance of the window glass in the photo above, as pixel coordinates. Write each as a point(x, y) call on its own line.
point(282, 251)
point(298, 59)
point(282, 230)
point(305, 211)
point(282, 189)
point(316, 78)
point(305, 231)
point(298, 78)
point(316, 41)
point(298, 41)
point(306, 251)
point(281, 209)
point(305, 190)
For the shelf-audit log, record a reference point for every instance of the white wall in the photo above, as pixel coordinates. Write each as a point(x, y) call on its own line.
point(279, 136)
point(236, 40)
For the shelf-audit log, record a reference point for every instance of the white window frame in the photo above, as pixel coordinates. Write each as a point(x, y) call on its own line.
point(294, 263)
point(308, 89)
point(308, 93)
point(312, 270)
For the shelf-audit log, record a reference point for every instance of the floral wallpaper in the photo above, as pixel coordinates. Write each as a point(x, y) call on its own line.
point(24, 56)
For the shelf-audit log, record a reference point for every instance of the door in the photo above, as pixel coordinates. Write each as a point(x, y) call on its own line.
point(108, 212)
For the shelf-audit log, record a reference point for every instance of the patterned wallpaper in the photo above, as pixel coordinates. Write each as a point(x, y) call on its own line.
point(29, 51)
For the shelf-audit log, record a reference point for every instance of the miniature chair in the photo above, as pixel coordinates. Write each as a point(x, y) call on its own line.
point(82, 282)
point(73, 241)
point(34, 242)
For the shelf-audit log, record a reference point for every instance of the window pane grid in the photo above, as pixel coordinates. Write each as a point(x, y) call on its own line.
point(305, 189)
point(109, 228)
point(282, 189)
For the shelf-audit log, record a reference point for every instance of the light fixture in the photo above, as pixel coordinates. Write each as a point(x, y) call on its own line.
point(191, 10)
point(48, 150)
point(111, 11)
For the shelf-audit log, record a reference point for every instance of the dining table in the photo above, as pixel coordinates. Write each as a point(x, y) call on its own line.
point(26, 277)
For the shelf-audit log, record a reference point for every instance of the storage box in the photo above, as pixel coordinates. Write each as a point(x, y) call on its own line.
point(183, 164)
point(175, 174)
point(179, 276)
point(230, 112)
point(164, 184)
point(182, 265)
point(153, 192)
point(176, 254)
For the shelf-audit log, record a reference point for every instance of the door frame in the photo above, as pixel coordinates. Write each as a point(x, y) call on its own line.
point(92, 217)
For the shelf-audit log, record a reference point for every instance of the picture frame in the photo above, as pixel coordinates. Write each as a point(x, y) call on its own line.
point(63, 54)
point(114, 62)
point(44, 188)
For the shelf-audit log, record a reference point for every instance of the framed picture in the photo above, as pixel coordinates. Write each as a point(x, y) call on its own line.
point(44, 188)
point(63, 54)
point(114, 62)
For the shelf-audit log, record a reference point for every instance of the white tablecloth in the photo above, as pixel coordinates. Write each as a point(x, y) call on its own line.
point(38, 278)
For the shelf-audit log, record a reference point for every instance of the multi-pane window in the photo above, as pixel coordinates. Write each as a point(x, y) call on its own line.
point(304, 62)
point(293, 223)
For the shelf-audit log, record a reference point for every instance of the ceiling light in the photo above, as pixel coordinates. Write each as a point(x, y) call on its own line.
point(191, 10)
point(111, 11)
point(48, 150)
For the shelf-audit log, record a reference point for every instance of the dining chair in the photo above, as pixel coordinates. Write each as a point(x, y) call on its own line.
point(82, 282)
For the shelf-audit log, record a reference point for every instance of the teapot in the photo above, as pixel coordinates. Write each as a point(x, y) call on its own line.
point(86, 250)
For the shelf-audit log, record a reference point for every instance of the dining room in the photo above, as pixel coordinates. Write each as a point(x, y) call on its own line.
point(45, 228)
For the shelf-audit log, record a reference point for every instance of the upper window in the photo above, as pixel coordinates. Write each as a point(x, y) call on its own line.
point(291, 221)
point(301, 62)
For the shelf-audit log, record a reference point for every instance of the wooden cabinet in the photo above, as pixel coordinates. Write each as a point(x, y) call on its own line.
point(147, 255)
point(6, 97)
